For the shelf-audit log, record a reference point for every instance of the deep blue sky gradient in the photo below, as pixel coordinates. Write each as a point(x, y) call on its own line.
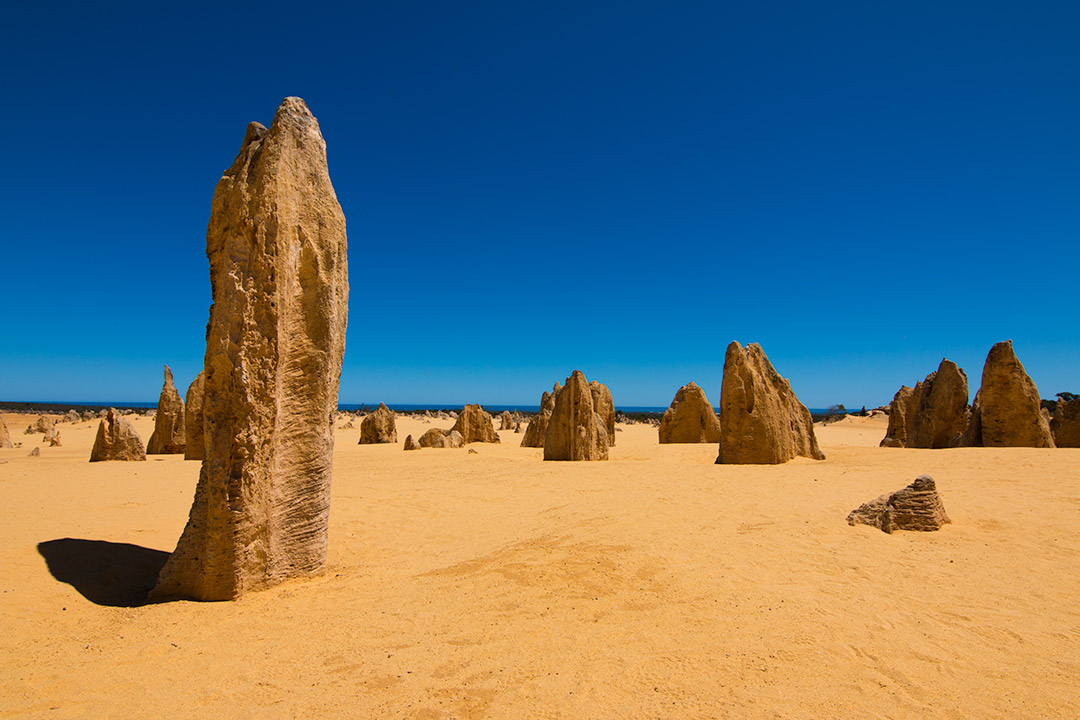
point(624, 188)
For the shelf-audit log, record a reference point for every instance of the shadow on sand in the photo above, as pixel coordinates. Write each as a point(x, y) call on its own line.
point(105, 573)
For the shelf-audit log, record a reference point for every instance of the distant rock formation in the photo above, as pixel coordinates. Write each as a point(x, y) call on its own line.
point(506, 421)
point(1065, 425)
point(411, 444)
point(195, 439)
point(36, 452)
point(169, 436)
point(690, 418)
point(916, 507)
point(1007, 410)
point(475, 425)
point(932, 415)
point(537, 427)
point(54, 441)
point(43, 424)
point(274, 344)
point(761, 420)
point(5, 436)
point(72, 416)
point(604, 406)
point(50, 435)
point(379, 427)
point(116, 440)
point(575, 431)
point(437, 438)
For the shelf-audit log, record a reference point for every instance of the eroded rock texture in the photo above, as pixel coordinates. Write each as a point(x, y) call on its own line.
point(574, 430)
point(278, 271)
point(1007, 411)
point(690, 418)
point(475, 425)
point(195, 439)
point(116, 440)
point(506, 420)
point(379, 427)
point(169, 436)
point(916, 507)
point(761, 420)
point(537, 427)
point(933, 414)
point(1065, 424)
point(437, 438)
point(604, 406)
point(411, 444)
point(5, 436)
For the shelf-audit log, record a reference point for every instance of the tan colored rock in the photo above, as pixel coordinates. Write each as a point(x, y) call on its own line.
point(1007, 411)
point(116, 440)
point(72, 416)
point(50, 435)
point(411, 444)
point(690, 418)
point(917, 507)
point(36, 452)
point(274, 344)
point(1065, 424)
point(761, 419)
point(169, 436)
point(932, 415)
point(475, 425)
point(575, 431)
point(604, 406)
point(506, 421)
point(5, 436)
point(43, 424)
point(379, 427)
point(437, 438)
point(537, 427)
point(194, 435)
point(54, 441)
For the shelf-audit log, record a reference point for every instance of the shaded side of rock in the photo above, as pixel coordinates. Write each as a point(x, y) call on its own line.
point(761, 419)
point(537, 427)
point(901, 410)
point(379, 427)
point(604, 406)
point(438, 438)
point(276, 244)
point(411, 444)
point(575, 431)
point(43, 424)
point(169, 436)
point(116, 440)
point(475, 425)
point(917, 507)
point(1065, 424)
point(195, 438)
point(1007, 411)
point(5, 436)
point(690, 418)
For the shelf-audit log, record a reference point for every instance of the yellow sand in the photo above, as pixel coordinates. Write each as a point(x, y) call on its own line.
point(496, 585)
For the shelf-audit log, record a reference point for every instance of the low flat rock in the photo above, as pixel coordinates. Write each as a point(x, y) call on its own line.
point(917, 507)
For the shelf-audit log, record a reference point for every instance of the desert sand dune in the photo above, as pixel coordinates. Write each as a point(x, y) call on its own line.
point(656, 584)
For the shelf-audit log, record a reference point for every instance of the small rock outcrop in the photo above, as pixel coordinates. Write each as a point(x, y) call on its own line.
point(43, 424)
point(506, 421)
point(933, 414)
point(537, 427)
point(437, 438)
point(169, 436)
point(604, 406)
point(36, 452)
point(276, 244)
point(194, 437)
point(411, 444)
point(54, 441)
point(379, 427)
point(916, 507)
point(1007, 411)
point(5, 436)
point(575, 431)
point(475, 425)
point(690, 418)
point(116, 440)
point(1065, 424)
point(761, 419)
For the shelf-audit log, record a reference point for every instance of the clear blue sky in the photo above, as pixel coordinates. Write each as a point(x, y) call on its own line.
point(620, 187)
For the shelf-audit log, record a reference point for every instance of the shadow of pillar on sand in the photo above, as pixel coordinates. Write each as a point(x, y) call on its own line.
point(105, 573)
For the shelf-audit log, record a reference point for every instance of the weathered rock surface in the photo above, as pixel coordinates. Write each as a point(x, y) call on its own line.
point(116, 440)
point(1065, 424)
point(1007, 409)
point(379, 427)
point(761, 419)
point(506, 421)
point(50, 435)
point(169, 436)
point(43, 424)
point(411, 444)
point(274, 344)
point(195, 438)
point(54, 441)
point(604, 406)
point(933, 414)
point(537, 427)
point(916, 507)
point(5, 436)
point(437, 438)
point(690, 418)
point(72, 416)
point(36, 452)
point(475, 425)
point(575, 431)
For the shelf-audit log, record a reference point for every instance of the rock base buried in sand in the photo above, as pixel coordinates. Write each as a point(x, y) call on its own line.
point(537, 427)
point(379, 427)
point(575, 431)
point(917, 507)
point(116, 440)
point(690, 418)
point(475, 425)
point(1007, 410)
point(437, 438)
point(411, 444)
point(169, 436)
point(1065, 425)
